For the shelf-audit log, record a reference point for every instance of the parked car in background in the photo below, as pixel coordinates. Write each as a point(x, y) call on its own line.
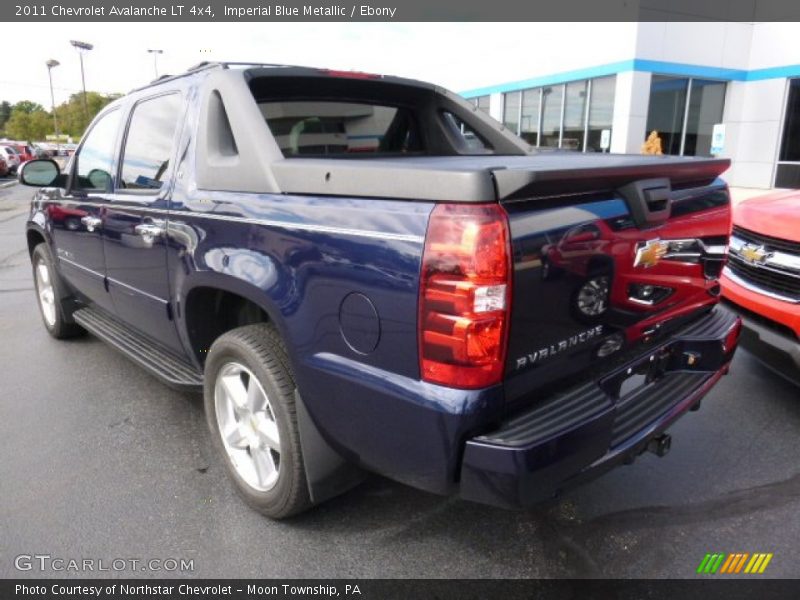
point(3, 167)
point(25, 151)
point(762, 279)
point(11, 157)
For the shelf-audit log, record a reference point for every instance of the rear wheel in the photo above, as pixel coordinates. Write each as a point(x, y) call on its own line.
point(250, 409)
point(54, 304)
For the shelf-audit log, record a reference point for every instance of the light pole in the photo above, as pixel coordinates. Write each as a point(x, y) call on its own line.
point(50, 64)
point(83, 47)
point(155, 53)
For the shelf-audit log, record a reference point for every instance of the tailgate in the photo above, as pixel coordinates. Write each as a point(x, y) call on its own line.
point(606, 259)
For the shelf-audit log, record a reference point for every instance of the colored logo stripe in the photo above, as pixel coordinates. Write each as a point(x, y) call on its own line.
point(758, 563)
point(734, 563)
point(710, 563)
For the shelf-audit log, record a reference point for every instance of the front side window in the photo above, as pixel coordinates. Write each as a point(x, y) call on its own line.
point(148, 147)
point(96, 156)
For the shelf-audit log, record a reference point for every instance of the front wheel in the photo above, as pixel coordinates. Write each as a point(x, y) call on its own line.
point(591, 299)
point(54, 306)
point(249, 402)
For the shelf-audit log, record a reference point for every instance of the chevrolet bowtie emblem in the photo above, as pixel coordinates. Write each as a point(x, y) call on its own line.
point(755, 255)
point(649, 253)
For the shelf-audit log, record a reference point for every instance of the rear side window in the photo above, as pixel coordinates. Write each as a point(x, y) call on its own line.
point(96, 156)
point(148, 146)
point(325, 128)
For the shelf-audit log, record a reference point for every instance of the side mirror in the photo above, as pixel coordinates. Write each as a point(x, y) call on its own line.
point(40, 172)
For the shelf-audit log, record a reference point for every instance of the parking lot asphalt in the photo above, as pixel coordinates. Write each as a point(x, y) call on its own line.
point(99, 460)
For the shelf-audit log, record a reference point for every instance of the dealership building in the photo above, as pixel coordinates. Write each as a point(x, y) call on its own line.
point(728, 89)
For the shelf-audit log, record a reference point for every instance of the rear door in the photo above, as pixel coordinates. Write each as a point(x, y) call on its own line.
point(135, 224)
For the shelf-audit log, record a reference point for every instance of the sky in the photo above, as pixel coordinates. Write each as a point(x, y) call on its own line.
point(443, 53)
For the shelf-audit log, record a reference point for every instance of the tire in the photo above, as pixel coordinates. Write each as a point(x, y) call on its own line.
point(261, 443)
point(591, 298)
point(55, 305)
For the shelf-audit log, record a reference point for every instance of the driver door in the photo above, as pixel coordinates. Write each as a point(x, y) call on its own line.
point(76, 214)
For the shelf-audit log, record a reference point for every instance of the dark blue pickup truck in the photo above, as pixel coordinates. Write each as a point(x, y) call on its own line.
point(366, 273)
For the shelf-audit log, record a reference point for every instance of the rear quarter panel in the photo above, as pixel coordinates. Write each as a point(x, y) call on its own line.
point(339, 278)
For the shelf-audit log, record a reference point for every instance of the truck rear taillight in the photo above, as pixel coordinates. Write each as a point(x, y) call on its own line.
point(465, 294)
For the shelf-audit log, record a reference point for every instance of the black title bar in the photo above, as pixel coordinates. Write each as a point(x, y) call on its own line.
point(397, 10)
point(709, 588)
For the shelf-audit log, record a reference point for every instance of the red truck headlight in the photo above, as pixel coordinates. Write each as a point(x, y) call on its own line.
point(465, 296)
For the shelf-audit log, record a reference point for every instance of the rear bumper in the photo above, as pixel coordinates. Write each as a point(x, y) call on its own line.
point(589, 429)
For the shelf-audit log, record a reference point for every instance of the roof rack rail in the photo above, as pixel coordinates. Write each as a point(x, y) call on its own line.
point(191, 70)
point(204, 65)
point(201, 66)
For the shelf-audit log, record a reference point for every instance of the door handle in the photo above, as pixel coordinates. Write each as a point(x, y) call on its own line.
point(91, 223)
point(149, 231)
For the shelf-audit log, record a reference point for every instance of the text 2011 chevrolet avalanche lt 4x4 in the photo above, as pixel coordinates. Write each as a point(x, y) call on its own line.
point(365, 273)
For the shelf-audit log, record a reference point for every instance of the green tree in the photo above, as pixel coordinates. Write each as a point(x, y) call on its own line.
point(28, 121)
point(26, 127)
point(5, 113)
point(41, 125)
point(27, 106)
point(72, 118)
point(18, 126)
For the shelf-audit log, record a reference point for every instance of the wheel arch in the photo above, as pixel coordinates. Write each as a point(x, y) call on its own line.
point(328, 473)
point(600, 264)
point(233, 303)
point(35, 235)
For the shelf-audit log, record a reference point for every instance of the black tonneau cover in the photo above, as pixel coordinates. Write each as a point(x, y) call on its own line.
point(485, 178)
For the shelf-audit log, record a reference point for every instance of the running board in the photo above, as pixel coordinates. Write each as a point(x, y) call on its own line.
point(173, 370)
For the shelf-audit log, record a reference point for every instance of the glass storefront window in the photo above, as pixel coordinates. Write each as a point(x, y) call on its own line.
point(601, 111)
point(666, 112)
point(575, 115)
point(529, 123)
point(552, 97)
point(788, 172)
point(511, 105)
point(482, 102)
point(556, 115)
point(706, 101)
point(685, 132)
